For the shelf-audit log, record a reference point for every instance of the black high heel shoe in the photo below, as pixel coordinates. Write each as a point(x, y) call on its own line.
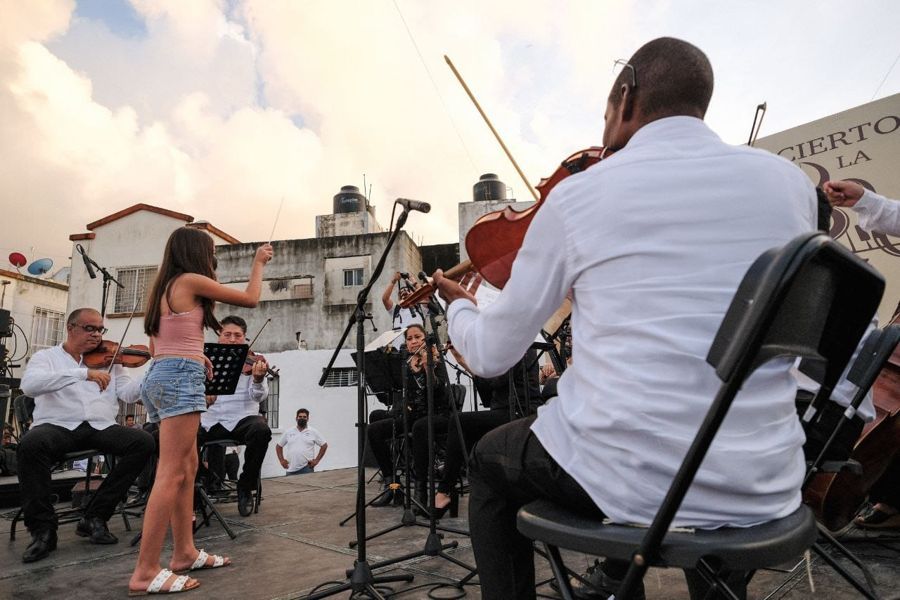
point(452, 506)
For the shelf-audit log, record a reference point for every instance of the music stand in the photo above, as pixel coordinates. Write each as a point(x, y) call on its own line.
point(228, 363)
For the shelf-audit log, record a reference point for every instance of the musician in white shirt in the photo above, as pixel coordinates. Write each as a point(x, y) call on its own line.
point(236, 416)
point(654, 241)
point(75, 408)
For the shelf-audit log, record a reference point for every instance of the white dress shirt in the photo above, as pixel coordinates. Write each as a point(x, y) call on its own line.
point(654, 241)
point(64, 396)
point(244, 402)
point(877, 213)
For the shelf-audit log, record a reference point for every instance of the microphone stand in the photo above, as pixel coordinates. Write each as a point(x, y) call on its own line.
point(361, 580)
point(433, 545)
point(107, 278)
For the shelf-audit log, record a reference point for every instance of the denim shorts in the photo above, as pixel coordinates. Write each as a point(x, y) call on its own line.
point(174, 386)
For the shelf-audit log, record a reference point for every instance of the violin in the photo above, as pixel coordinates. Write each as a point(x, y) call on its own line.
point(252, 358)
point(108, 353)
point(494, 240)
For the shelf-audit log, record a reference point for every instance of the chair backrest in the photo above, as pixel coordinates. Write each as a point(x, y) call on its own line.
point(23, 409)
point(810, 298)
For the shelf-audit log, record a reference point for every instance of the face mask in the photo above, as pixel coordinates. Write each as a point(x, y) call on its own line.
point(302, 422)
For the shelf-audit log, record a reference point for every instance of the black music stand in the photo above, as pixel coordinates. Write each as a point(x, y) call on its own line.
point(228, 363)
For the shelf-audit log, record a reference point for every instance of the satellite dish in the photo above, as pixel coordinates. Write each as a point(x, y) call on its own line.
point(17, 259)
point(40, 266)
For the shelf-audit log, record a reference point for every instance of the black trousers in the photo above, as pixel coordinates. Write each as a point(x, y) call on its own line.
point(509, 469)
point(44, 446)
point(474, 426)
point(381, 434)
point(254, 433)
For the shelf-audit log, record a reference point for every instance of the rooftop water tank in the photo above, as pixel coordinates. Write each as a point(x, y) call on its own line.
point(349, 200)
point(489, 187)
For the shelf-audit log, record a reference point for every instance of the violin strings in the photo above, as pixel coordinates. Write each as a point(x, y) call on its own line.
point(437, 91)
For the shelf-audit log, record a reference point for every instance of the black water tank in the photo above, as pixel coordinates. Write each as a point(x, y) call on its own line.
point(489, 188)
point(349, 200)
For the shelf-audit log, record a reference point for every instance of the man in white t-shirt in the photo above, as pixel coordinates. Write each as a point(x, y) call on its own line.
point(297, 447)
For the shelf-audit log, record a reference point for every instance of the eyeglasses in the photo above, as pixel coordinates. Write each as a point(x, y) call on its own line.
point(92, 328)
point(623, 64)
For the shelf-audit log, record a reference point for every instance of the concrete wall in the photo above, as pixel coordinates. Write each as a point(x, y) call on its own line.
point(323, 317)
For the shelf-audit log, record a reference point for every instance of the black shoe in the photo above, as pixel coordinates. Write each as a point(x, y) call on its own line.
point(452, 506)
point(601, 587)
point(96, 529)
point(245, 502)
point(386, 498)
point(42, 544)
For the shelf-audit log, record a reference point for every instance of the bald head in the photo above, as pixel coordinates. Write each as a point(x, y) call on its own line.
point(673, 78)
point(78, 313)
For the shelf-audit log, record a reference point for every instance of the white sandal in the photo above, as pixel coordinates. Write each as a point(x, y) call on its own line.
point(200, 563)
point(161, 578)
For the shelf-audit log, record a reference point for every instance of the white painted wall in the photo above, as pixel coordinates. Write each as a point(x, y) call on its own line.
point(22, 295)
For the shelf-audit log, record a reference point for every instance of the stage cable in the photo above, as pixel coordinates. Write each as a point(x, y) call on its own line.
point(437, 90)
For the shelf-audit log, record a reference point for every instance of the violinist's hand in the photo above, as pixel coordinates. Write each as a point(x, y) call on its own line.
point(451, 290)
point(210, 400)
point(264, 254)
point(843, 193)
point(99, 377)
point(259, 370)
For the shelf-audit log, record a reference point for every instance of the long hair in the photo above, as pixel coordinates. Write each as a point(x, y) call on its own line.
point(188, 250)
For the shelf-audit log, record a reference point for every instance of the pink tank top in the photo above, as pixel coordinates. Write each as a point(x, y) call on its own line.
point(180, 333)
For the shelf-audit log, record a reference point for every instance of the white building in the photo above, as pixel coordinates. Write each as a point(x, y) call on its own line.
point(37, 308)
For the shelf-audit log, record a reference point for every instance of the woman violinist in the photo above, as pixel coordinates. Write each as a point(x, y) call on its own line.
point(180, 308)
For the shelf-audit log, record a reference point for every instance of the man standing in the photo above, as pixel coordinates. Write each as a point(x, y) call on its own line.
point(653, 241)
point(299, 455)
point(237, 417)
point(75, 409)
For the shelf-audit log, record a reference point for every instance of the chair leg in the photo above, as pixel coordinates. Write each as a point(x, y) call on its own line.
point(559, 572)
point(12, 528)
point(717, 587)
point(849, 578)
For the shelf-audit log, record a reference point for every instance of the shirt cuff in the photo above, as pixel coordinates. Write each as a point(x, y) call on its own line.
point(868, 202)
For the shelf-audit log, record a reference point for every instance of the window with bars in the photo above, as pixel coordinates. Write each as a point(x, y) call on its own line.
point(137, 282)
point(353, 277)
point(46, 328)
point(342, 377)
point(269, 407)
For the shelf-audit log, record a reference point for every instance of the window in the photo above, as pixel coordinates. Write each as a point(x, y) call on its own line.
point(137, 282)
point(353, 277)
point(269, 407)
point(303, 290)
point(46, 328)
point(342, 377)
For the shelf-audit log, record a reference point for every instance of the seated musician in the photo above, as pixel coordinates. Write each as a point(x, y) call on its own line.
point(237, 417)
point(654, 241)
point(381, 432)
point(75, 409)
point(400, 317)
point(509, 396)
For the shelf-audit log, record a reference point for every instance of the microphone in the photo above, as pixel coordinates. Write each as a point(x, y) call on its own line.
point(414, 205)
point(87, 261)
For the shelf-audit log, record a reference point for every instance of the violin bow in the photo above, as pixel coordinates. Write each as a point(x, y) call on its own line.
point(124, 333)
point(256, 337)
point(491, 127)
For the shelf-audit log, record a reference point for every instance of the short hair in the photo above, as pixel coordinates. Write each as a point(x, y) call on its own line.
point(302, 410)
point(824, 212)
point(129, 417)
point(234, 320)
point(414, 326)
point(673, 77)
point(75, 314)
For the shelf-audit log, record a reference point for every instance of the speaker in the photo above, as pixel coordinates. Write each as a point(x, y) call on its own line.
point(5, 324)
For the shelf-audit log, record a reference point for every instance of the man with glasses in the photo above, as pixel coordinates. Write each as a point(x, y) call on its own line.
point(654, 241)
point(75, 409)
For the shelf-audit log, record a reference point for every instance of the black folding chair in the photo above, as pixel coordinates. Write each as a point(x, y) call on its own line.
point(810, 298)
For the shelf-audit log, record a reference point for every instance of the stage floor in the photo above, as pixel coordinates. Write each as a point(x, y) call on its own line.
point(294, 544)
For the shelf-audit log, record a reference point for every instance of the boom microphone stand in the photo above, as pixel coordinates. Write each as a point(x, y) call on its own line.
point(361, 581)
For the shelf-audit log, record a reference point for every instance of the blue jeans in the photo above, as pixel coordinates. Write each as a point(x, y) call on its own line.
point(303, 471)
point(172, 387)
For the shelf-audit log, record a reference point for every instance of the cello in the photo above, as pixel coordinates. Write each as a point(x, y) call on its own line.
point(835, 498)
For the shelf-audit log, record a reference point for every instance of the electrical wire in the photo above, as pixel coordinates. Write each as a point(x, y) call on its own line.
point(878, 89)
point(437, 90)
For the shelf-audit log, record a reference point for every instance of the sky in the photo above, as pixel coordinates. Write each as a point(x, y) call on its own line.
point(224, 109)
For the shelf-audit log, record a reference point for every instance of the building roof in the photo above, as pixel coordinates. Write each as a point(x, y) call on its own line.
point(155, 209)
point(29, 279)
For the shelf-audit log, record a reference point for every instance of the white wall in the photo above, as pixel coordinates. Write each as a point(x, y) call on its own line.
point(23, 294)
